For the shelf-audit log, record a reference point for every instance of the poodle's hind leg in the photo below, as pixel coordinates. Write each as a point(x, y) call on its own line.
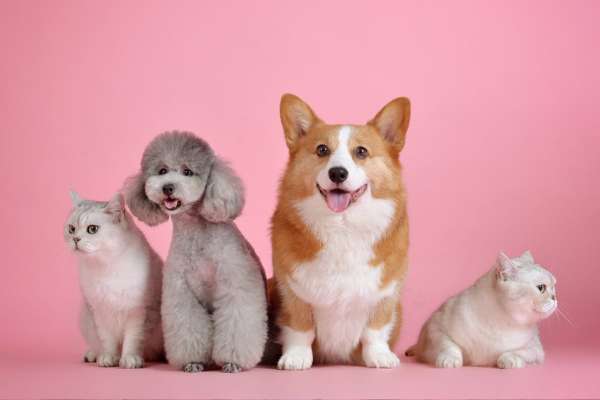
point(240, 319)
point(187, 326)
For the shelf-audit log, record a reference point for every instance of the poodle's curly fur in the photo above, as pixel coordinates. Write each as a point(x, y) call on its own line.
point(214, 306)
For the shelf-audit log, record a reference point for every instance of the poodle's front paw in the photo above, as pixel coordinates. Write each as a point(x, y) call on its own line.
point(89, 356)
point(296, 358)
point(380, 357)
point(510, 360)
point(193, 367)
point(107, 360)
point(231, 368)
point(448, 360)
point(130, 361)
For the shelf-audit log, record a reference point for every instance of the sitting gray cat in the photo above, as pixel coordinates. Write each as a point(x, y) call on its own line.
point(120, 277)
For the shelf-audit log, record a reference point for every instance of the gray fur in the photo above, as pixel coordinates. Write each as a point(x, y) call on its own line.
point(214, 307)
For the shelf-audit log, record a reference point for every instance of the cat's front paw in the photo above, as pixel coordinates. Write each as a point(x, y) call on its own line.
point(380, 357)
point(231, 368)
point(193, 367)
point(448, 360)
point(89, 356)
point(510, 360)
point(107, 360)
point(130, 361)
point(296, 358)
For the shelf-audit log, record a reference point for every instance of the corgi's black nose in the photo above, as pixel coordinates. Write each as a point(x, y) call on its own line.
point(338, 174)
point(168, 189)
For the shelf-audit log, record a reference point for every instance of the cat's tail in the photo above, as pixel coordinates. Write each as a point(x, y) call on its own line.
point(411, 351)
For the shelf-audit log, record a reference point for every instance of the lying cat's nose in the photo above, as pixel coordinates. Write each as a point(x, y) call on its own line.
point(553, 297)
point(168, 189)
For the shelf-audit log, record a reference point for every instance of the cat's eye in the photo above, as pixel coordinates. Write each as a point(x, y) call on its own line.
point(322, 150)
point(188, 172)
point(542, 288)
point(162, 171)
point(92, 229)
point(71, 229)
point(361, 152)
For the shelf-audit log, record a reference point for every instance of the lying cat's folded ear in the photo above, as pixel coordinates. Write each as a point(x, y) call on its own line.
point(75, 198)
point(139, 203)
point(115, 207)
point(505, 267)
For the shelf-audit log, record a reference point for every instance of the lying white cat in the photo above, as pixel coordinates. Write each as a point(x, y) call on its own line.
point(120, 277)
point(493, 322)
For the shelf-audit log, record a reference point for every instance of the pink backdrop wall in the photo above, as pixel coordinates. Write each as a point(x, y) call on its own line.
point(502, 152)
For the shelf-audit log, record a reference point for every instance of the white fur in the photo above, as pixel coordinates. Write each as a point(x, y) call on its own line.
point(339, 282)
point(376, 352)
point(493, 322)
point(297, 351)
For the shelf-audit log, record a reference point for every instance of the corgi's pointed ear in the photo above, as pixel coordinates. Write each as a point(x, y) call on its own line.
point(296, 117)
point(392, 121)
point(75, 198)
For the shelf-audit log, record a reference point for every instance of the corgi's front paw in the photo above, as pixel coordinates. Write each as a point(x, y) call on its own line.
point(510, 360)
point(380, 357)
point(296, 358)
point(130, 361)
point(107, 360)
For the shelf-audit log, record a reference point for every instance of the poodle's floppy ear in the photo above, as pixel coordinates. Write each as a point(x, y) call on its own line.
point(140, 205)
point(224, 194)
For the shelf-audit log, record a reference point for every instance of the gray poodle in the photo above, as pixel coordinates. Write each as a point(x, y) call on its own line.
point(214, 306)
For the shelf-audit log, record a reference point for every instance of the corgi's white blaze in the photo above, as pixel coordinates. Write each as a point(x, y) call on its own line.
point(339, 282)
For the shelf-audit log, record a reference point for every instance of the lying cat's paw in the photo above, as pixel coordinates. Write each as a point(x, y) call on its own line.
point(193, 367)
point(89, 356)
point(380, 357)
point(131, 361)
point(448, 360)
point(510, 360)
point(296, 358)
point(107, 360)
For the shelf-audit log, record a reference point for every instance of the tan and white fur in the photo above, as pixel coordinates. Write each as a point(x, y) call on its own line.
point(493, 322)
point(340, 238)
point(120, 277)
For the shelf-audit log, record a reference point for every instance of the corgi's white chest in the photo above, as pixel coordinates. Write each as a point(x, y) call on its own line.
point(339, 282)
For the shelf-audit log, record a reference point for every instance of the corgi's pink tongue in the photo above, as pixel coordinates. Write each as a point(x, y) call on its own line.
point(338, 201)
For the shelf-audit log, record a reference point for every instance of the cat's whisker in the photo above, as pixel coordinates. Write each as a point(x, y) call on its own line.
point(564, 316)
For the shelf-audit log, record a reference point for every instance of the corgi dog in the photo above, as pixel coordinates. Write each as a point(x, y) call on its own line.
point(340, 239)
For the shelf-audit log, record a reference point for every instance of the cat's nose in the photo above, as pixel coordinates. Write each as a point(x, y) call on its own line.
point(168, 189)
point(76, 239)
point(553, 297)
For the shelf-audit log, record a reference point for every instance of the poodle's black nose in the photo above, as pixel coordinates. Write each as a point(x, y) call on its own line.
point(338, 174)
point(168, 189)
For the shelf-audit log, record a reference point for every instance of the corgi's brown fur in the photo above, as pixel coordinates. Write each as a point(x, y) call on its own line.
point(340, 238)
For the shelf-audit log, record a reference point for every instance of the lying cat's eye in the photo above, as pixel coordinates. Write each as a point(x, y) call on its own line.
point(361, 152)
point(541, 288)
point(71, 229)
point(91, 229)
point(188, 172)
point(162, 171)
point(322, 150)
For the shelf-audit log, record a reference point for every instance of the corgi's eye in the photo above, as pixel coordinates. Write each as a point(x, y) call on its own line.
point(188, 172)
point(322, 150)
point(92, 229)
point(162, 171)
point(361, 152)
point(541, 288)
point(71, 229)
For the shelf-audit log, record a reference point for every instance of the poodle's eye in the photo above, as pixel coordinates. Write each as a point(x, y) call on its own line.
point(361, 152)
point(541, 288)
point(188, 172)
point(92, 229)
point(71, 229)
point(162, 171)
point(322, 150)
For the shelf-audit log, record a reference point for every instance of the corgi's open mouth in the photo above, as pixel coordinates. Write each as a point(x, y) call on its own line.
point(171, 203)
point(339, 200)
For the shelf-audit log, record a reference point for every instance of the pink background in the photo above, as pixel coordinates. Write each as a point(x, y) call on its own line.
point(502, 153)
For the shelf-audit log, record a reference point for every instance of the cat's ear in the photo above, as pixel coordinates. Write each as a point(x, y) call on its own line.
point(75, 198)
point(527, 258)
point(505, 268)
point(139, 203)
point(116, 207)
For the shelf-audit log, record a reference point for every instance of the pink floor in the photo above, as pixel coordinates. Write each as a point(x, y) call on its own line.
point(568, 373)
